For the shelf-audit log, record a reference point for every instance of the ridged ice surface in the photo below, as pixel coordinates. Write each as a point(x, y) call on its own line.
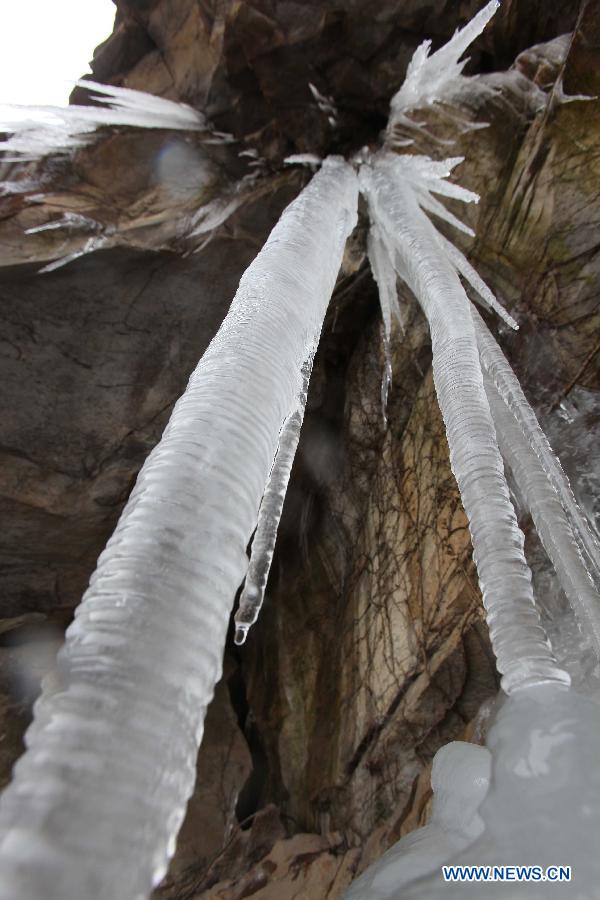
point(549, 517)
point(472, 277)
point(263, 544)
point(507, 385)
point(522, 650)
point(99, 795)
point(38, 130)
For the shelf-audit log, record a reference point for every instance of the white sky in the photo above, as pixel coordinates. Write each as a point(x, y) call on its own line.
point(46, 45)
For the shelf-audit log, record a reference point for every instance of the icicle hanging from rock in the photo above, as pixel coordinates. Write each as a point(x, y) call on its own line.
point(523, 653)
point(100, 793)
point(263, 544)
point(507, 384)
point(550, 520)
point(385, 277)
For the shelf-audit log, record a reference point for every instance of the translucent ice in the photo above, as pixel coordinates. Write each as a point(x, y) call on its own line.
point(460, 779)
point(100, 793)
point(551, 522)
point(507, 385)
point(435, 78)
point(263, 544)
point(523, 653)
point(385, 276)
point(542, 808)
point(464, 268)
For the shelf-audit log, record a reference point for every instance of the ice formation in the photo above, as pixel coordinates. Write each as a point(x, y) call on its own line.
point(436, 78)
point(507, 385)
point(39, 130)
point(542, 808)
point(544, 740)
point(385, 277)
point(263, 544)
point(460, 780)
point(303, 159)
point(522, 650)
point(549, 517)
point(112, 751)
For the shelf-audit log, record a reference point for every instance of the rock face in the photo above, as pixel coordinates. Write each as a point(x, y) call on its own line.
point(371, 651)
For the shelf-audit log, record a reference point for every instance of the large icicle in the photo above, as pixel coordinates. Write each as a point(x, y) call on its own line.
point(520, 644)
point(507, 384)
point(100, 793)
point(550, 520)
point(263, 545)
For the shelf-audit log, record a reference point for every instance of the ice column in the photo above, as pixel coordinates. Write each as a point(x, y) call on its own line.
point(523, 653)
point(99, 795)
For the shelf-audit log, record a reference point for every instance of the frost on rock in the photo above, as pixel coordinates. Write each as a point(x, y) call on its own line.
point(396, 205)
point(100, 793)
point(39, 130)
point(326, 105)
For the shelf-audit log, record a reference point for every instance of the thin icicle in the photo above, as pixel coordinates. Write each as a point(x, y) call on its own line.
point(90, 246)
point(519, 641)
point(212, 215)
point(99, 795)
point(429, 203)
point(385, 277)
point(550, 520)
point(506, 382)
point(68, 220)
point(263, 544)
point(464, 268)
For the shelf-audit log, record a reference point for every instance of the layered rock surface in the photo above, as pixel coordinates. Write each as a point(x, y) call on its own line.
point(371, 651)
